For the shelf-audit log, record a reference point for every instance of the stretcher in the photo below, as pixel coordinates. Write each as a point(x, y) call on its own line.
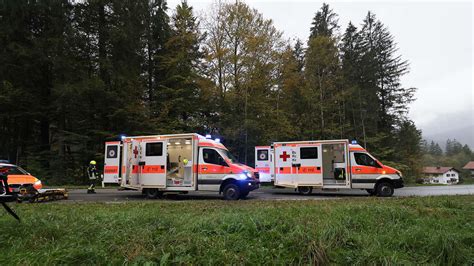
point(32, 195)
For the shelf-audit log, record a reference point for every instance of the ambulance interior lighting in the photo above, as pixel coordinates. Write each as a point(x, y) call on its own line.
point(177, 143)
point(187, 142)
point(208, 136)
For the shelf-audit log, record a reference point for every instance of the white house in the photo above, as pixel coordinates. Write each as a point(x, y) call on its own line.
point(440, 175)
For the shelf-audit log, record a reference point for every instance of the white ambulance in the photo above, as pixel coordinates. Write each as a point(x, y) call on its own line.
point(326, 164)
point(177, 163)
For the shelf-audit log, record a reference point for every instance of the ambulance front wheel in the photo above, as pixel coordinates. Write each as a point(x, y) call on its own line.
point(231, 192)
point(371, 192)
point(305, 190)
point(385, 189)
point(243, 195)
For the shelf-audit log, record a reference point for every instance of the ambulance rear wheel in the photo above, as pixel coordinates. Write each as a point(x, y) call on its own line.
point(152, 193)
point(231, 192)
point(385, 189)
point(305, 190)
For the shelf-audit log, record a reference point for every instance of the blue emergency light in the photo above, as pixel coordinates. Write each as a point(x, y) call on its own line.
point(354, 142)
point(208, 136)
point(217, 140)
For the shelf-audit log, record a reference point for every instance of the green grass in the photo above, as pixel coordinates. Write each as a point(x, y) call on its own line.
point(466, 181)
point(425, 230)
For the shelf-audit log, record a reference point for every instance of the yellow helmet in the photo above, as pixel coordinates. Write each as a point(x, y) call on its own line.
point(93, 162)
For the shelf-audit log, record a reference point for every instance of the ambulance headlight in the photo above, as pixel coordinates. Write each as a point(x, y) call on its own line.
point(245, 175)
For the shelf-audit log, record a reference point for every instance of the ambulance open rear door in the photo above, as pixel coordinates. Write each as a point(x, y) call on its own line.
point(112, 162)
point(152, 165)
point(298, 164)
point(264, 163)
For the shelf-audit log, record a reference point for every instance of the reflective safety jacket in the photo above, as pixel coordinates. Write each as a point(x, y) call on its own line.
point(92, 172)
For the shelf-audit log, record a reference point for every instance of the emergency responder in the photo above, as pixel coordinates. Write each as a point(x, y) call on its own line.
point(93, 176)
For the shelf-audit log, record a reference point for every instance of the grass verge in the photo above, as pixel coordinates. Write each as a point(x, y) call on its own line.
point(426, 230)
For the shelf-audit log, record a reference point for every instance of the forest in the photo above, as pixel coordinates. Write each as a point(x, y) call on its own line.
point(76, 73)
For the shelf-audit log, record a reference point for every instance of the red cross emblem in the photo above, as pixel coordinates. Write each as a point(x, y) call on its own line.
point(284, 156)
point(135, 151)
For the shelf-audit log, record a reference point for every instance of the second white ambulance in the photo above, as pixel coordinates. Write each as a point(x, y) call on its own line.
point(326, 164)
point(177, 163)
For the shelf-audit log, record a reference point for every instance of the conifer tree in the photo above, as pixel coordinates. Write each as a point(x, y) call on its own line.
point(183, 65)
point(322, 74)
point(325, 22)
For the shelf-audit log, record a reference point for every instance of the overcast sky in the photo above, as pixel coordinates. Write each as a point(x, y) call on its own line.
point(435, 37)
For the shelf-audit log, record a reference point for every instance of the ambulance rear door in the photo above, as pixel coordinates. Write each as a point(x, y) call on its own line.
point(131, 157)
point(152, 164)
point(283, 157)
point(112, 162)
point(307, 164)
point(263, 163)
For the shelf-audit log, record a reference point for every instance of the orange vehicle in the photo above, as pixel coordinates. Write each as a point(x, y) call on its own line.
point(18, 177)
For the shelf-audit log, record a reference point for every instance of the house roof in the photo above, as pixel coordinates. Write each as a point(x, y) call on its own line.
point(437, 169)
point(469, 165)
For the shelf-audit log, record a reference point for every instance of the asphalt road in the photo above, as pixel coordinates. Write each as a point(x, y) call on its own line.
point(266, 193)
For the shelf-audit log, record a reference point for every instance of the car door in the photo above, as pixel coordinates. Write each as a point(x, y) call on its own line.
point(364, 169)
point(212, 169)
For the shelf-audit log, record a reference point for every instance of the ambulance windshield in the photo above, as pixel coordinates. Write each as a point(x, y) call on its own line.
point(229, 156)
